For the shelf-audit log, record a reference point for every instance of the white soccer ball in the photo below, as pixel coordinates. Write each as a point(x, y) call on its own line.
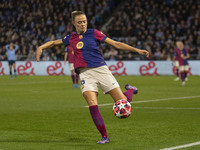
point(122, 109)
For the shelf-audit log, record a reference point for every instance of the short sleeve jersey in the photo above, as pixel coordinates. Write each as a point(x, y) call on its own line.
point(179, 54)
point(86, 48)
point(70, 52)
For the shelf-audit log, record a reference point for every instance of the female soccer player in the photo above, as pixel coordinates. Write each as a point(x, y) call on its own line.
point(176, 64)
point(182, 55)
point(11, 50)
point(69, 52)
point(92, 68)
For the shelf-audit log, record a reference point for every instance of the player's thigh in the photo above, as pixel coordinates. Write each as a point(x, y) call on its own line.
point(117, 94)
point(87, 80)
point(90, 97)
point(14, 65)
point(106, 80)
point(71, 67)
point(176, 64)
point(181, 68)
point(72, 72)
point(186, 67)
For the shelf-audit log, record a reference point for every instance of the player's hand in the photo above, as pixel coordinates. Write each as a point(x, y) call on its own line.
point(38, 53)
point(144, 52)
point(64, 62)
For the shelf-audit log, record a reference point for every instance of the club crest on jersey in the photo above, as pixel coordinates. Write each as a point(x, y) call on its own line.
point(79, 45)
point(80, 36)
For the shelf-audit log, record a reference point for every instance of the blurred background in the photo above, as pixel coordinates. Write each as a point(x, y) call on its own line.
point(153, 25)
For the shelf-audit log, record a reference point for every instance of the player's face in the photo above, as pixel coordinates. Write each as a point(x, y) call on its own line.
point(179, 45)
point(80, 24)
point(11, 46)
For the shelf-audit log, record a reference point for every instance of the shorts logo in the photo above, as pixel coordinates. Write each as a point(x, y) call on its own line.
point(79, 45)
point(82, 84)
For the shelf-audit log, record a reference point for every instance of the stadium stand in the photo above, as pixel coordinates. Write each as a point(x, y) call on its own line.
point(151, 25)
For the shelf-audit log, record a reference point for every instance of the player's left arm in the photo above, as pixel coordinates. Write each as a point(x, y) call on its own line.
point(16, 47)
point(188, 55)
point(123, 46)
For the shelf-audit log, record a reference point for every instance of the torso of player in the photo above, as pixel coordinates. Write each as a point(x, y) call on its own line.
point(86, 48)
point(180, 55)
point(11, 55)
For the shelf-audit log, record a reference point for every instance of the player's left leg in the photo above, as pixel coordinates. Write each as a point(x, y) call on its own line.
point(10, 69)
point(117, 94)
point(186, 68)
point(182, 72)
point(73, 78)
point(14, 66)
point(71, 67)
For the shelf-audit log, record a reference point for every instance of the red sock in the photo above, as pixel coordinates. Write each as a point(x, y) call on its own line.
point(182, 76)
point(177, 72)
point(77, 77)
point(98, 120)
point(129, 94)
point(185, 74)
point(73, 79)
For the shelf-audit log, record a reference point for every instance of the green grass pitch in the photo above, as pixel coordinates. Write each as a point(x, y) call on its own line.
point(46, 113)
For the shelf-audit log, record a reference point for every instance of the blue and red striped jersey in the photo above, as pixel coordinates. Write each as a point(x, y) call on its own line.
point(180, 54)
point(86, 48)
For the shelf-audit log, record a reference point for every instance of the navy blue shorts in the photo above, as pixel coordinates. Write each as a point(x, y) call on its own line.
point(11, 62)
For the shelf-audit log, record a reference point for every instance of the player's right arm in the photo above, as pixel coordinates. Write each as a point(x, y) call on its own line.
point(65, 57)
point(7, 47)
point(47, 45)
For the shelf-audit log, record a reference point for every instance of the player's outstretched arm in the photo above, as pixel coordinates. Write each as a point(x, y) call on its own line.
point(65, 58)
point(47, 45)
point(123, 46)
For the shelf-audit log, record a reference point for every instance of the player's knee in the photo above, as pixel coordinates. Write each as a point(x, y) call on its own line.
point(90, 97)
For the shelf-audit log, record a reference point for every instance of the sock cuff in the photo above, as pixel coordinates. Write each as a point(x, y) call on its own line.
point(93, 106)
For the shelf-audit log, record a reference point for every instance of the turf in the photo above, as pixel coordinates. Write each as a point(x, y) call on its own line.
point(46, 113)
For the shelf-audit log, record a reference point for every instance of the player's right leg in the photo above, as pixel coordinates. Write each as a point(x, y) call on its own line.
point(89, 88)
point(176, 71)
point(91, 98)
point(10, 69)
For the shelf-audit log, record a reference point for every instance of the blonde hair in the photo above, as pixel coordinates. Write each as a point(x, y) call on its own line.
point(76, 13)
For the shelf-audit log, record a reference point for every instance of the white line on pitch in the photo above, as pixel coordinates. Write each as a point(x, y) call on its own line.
point(182, 146)
point(154, 100)
point(36, 82)
point(167, 108)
